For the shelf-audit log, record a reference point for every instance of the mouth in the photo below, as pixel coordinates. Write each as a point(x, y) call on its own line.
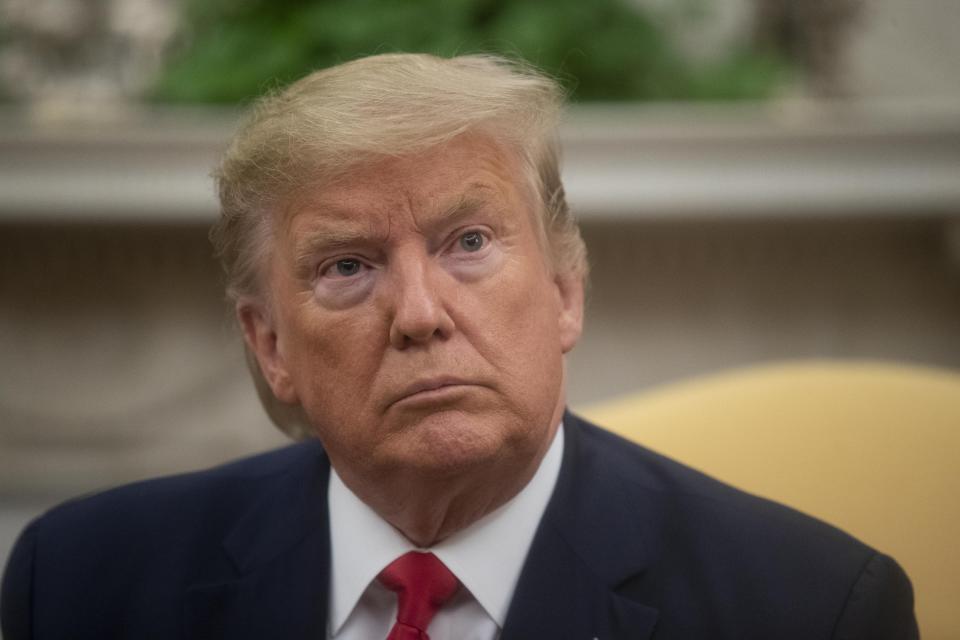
point(430, 390)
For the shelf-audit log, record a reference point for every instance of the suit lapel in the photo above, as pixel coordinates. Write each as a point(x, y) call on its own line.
point(588, 543)
point(564, 598)
point(280, 555)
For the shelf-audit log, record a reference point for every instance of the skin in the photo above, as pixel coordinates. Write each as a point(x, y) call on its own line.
point(415, 317)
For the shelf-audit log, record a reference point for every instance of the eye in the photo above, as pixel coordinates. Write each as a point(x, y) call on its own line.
point(347, 267)
point(344, 268)
point(472, 241)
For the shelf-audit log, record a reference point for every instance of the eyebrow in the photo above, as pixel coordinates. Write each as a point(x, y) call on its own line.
point(466, 205)
point(310, 243)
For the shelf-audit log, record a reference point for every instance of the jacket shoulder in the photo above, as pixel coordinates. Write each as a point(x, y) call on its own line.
point(219, 489)
point(691, 495)
point(126, 555)
point(750, 563)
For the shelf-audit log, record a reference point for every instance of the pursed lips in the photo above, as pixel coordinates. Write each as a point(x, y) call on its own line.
point(424, 386)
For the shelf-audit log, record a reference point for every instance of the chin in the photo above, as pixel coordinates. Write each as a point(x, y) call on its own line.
point(452, 442)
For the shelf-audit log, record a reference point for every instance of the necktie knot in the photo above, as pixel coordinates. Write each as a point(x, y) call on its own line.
point(423, 584)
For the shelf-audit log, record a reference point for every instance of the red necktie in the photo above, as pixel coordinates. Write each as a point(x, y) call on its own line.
point(423, 584)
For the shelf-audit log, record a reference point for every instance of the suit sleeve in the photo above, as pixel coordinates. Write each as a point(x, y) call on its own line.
point(880, 604)
point(16, 594)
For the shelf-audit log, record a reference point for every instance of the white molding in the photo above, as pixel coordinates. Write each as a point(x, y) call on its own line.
point(621, 162)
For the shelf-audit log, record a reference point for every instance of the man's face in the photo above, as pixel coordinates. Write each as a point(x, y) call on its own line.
point(414, 316)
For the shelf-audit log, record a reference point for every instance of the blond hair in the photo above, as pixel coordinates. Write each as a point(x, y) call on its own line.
point(335, 119)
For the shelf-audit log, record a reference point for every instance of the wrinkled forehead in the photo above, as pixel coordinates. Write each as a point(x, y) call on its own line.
point(465, 173)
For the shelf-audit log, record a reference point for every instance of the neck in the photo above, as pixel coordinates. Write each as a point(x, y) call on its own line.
point(428, 508)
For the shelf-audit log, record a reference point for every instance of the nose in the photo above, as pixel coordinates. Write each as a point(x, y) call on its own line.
point(419, 310)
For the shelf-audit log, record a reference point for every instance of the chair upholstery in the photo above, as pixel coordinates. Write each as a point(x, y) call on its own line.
point(873, 448)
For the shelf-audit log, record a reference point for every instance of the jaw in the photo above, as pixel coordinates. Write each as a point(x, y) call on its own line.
point(452, 480)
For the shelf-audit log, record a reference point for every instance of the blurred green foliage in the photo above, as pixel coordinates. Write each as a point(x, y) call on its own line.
point(232, 50)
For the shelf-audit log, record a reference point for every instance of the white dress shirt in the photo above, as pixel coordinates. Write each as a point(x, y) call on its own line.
point(486, 557)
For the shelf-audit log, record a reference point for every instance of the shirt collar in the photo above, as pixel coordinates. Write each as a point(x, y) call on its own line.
point(486, 557)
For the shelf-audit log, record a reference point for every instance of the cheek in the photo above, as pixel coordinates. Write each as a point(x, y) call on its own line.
point(522, 330)
point(532, 300)
point(333, 357)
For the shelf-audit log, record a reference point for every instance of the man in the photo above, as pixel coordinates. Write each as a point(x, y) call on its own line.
point(408, 278)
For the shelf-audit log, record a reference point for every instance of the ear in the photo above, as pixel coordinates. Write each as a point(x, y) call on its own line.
point(570, 292)
point(261, 337)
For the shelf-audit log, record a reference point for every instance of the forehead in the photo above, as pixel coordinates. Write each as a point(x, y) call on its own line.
point(469, 171)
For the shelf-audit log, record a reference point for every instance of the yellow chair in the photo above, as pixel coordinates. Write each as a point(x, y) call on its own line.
point(873, 448)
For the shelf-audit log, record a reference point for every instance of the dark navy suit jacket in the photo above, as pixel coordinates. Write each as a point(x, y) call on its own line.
point(632, 545)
